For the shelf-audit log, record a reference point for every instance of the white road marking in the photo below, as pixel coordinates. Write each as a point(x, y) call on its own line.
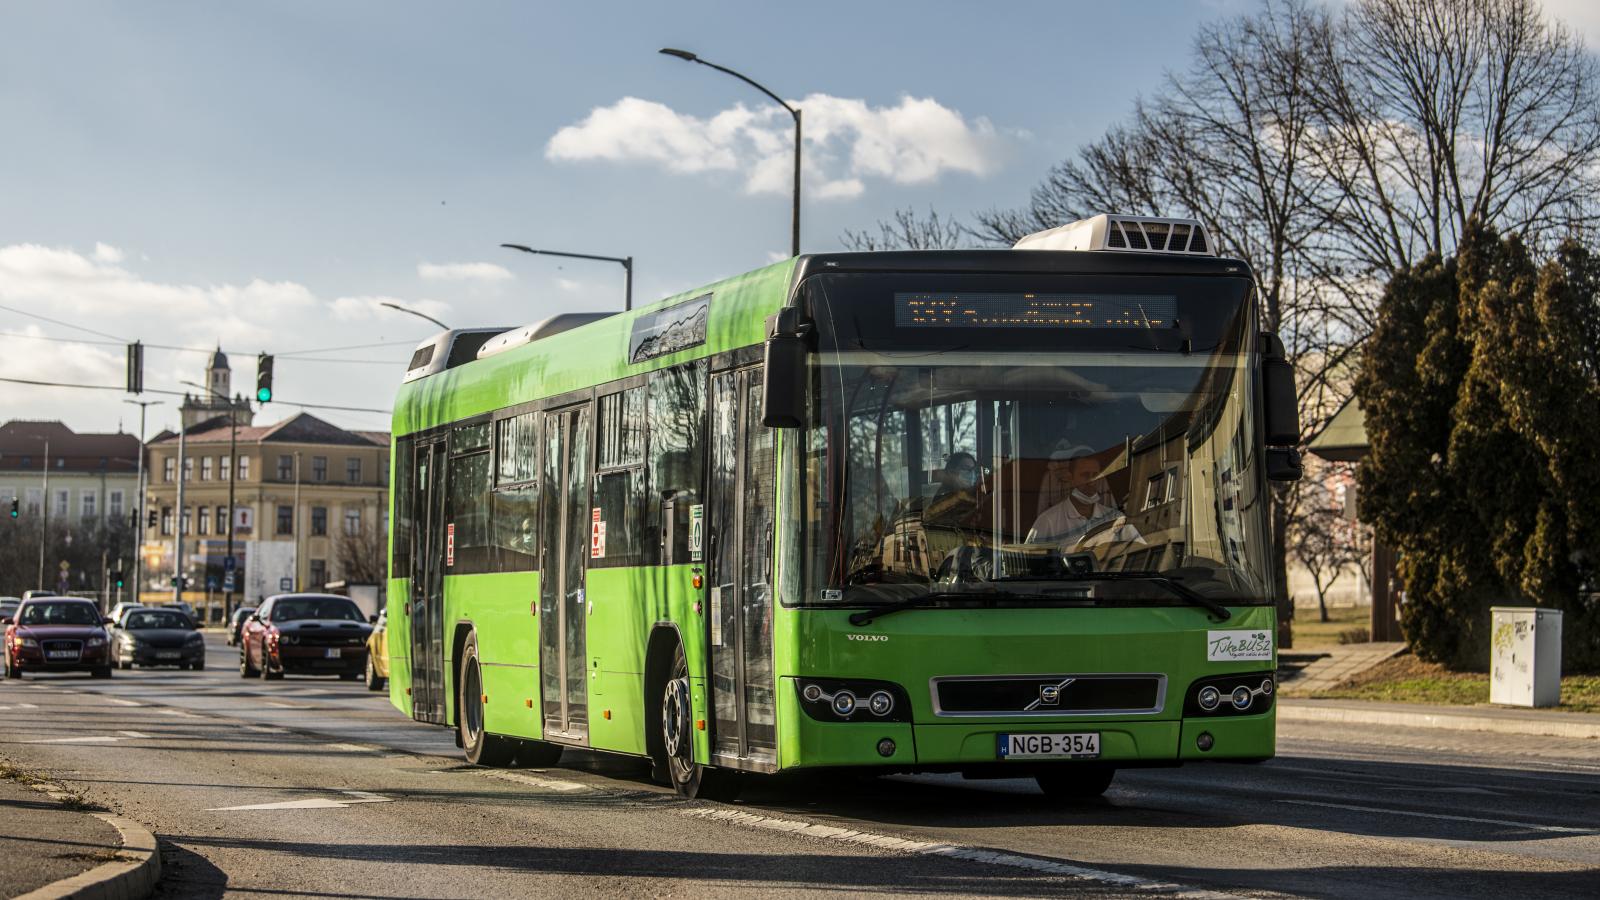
point(98, 739)
point(552, 784)
point(180, 712)
point(311, 803)
point(1557, 829)
point(133, 734)
point(121, 702)
point(266, 729)
point(286, 705)
point(928, 848)
point(353, 748)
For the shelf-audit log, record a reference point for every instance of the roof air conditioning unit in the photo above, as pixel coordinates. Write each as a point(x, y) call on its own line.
point(1138, 234)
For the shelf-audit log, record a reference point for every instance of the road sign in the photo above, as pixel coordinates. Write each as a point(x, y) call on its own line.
point(65, 565)
point(285, 584)
point(211, 582)
point(227, 581)
point(229, 563)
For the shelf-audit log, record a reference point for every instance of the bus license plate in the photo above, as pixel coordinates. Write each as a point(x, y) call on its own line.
point(333, 653)
point(1080, 745)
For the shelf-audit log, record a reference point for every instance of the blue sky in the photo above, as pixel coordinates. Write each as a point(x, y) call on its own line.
point(263, 174)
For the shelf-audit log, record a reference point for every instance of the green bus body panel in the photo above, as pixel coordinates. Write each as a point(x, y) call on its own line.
point(589, 355)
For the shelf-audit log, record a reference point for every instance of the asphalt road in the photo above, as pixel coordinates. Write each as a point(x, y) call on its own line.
point(352, 799)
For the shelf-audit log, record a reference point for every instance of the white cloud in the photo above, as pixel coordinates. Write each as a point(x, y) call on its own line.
point(107, 254)
point(1581, 16)
point(365, 309)
point(469, 271)
point(568, 285)
point(847, 142)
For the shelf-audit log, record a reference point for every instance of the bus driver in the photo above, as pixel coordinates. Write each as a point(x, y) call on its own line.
point(1088, 502)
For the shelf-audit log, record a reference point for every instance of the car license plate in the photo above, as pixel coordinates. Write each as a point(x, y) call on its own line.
point(1080, 745)
point(333, 653)
point(167, 654)
point(62, 654)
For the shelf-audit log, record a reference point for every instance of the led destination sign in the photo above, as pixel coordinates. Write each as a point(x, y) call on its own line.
point(1025, 310)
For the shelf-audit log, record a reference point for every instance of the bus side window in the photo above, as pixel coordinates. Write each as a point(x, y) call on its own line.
point(516, 494)
point(619, 479)
point(677, 419)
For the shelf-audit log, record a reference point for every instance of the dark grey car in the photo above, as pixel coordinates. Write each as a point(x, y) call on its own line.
point(158, 637)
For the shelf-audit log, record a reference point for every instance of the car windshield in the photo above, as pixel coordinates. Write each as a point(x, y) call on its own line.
point(59, 614)
point(956, 444)
point(315, 608)
point(154, 618)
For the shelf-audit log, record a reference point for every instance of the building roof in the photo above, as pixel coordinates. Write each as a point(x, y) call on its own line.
point(22, 446)
point(300, 428)
point(1345, 438)
point(219, 360)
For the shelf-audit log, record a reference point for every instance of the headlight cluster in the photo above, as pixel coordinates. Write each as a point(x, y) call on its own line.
point(195, 638)
point(96, 642)
point(27, 642)
point(853, 700)
point(289, 638)
point(1249, 693)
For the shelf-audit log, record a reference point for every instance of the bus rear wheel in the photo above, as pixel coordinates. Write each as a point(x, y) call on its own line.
point(689, 779)
point(1076, 782)
point(480, 747)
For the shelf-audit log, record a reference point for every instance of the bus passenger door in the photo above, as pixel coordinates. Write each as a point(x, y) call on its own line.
point(427, 584)
point(562, 605)
point(741, 558)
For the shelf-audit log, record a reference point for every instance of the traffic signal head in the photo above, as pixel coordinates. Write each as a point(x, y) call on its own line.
point(263, 377)
point(14, 512)
point(151, 518)
point(116, 579)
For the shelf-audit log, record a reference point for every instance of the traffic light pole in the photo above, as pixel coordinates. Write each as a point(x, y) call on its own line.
point(177, 527)
point(228, 575)
point(139, 509)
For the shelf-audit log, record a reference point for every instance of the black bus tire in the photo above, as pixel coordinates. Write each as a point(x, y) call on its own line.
point(689, 778)
point(479, 747)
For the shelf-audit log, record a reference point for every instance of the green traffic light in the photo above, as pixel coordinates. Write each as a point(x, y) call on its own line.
point(264, 394)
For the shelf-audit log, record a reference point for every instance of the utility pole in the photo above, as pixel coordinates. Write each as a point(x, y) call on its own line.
point(139, 506)
point(625, 261)
point(44, 509)
point(294, 520)
point(233, 468)
point(177, 528)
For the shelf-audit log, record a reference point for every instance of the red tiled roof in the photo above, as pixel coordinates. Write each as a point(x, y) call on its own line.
point(300, 428)
point(22, 445)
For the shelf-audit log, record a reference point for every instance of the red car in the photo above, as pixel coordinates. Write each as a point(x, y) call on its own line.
point(307, 634)
point(57, 634)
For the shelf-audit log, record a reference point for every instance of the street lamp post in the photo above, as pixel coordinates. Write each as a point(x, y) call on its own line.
point(177, 525)
point(420, 315)
point(139, 508)
point(626, 261)
point(44, 510)
point(794, 237)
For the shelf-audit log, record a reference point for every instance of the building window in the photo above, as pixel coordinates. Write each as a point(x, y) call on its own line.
point(319, 574)
point(166, 520)
point(244, 468)
point(285, 467)
point(188, 468)
point(59, 507)
point(319, 468)
point(352, 469)
point(88, 502)
point(188, 522)
point(114, 504)
point(205, 468)
point(222, 520)
point(319, 520)
point(35, 501)
point(205, 520)
point(169, 468)
point(222, 467)
point(286, 520)
point(352, 520)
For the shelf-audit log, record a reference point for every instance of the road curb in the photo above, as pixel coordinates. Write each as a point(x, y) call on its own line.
point(1463, 721)
point(131, 876)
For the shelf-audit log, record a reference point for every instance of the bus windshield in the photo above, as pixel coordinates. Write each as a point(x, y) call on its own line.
point(1042, 438)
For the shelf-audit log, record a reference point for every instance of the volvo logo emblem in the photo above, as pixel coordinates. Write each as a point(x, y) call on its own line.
point(1049, 694)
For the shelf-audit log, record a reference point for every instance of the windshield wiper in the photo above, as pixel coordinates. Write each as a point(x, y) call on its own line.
point(1183, 591)
point(934, 597)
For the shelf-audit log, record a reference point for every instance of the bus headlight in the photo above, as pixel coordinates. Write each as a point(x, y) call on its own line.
point(1209, 698)
point(1241, 697)
point(1245, 693)
point(843, 699)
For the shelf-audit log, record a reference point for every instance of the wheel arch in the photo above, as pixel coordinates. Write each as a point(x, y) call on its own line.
point(452, 670)
point(664, 637)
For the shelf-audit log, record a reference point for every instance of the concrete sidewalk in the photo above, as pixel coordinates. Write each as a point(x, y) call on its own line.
point(50, 850)
point(1334, 665)
point(1497, 719)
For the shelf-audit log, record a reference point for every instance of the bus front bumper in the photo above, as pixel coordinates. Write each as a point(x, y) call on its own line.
point(970, 745)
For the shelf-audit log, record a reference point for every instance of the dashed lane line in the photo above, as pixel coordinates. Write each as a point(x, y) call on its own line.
point(89, 739)
point(551, 784)
point(133, 734)
point(1554, 829)
point(973, 854)
point(351, 799)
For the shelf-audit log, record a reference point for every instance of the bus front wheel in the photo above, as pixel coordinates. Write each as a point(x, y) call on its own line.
point(480, 747)
point(689, 778)
point(1076, 782)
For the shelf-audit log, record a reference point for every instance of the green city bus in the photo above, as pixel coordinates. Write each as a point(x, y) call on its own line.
point(995, 512)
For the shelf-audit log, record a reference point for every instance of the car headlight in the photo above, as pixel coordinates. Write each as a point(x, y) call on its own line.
point(289, 638)
point(195, 638)
point(96, 642)
point(27, 642)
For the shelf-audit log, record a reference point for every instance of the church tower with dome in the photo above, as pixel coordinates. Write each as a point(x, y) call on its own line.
point(215, 403)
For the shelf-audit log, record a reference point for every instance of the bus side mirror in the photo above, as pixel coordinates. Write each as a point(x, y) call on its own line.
point(783, 387)
point(1280, 412)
